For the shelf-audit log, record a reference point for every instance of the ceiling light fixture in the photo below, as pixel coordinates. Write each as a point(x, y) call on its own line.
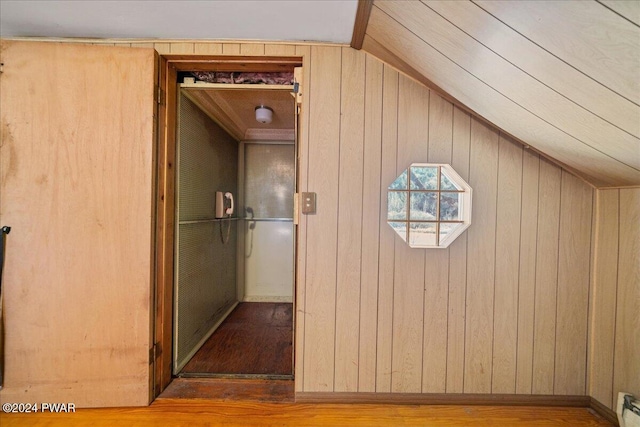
point(264, 114)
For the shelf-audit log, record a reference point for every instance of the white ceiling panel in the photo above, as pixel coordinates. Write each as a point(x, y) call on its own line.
point(313, 20)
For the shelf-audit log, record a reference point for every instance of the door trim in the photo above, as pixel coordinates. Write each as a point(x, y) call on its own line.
point(165, 198)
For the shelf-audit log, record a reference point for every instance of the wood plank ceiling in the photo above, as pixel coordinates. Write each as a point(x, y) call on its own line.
point(560, 76)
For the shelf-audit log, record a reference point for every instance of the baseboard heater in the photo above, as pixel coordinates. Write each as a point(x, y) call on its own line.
point(628, 410)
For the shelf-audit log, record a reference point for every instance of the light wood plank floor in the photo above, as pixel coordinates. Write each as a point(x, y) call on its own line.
point(201, 412)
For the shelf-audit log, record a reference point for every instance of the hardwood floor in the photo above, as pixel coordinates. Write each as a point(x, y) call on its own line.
point(201, 412)
point(196, 402)
point(256, 390)
point(256, 338)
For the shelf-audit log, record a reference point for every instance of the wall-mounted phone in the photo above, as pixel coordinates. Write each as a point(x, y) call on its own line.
point(224, 204)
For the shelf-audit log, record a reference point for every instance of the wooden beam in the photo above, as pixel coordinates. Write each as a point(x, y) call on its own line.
point(360, 26)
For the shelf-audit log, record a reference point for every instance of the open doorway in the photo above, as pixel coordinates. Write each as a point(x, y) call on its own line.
point(232, 279)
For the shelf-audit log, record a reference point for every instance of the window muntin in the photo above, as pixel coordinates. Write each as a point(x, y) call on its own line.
point(429, 205)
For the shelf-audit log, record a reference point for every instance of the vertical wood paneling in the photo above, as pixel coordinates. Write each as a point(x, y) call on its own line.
point(505, 321)
point(349, 254)
point(440, 129)
point(162, 48)
point(386, 269)
point(301, 254)
point(483, 176)
point(573, 286)
point(231, 48)
point(614, 342)
point(182, 48)
point(324, 155)
point(252, 49)
point(409, 263)
point(370, 224)
point(151, 45)
point(513, 265)
point(458, 264)
point(527, 274)
point(544, 336)
point(280, 50)
point(207, 48)
point(436, 281)
point(627, 345)
point(603, 297)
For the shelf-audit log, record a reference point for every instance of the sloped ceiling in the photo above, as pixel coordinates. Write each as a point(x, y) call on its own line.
point(560, 76)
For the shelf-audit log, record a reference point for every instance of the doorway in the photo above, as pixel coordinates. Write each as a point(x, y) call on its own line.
point(258, 303)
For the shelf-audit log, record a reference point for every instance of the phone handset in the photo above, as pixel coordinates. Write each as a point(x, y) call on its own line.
point(229, 210)
point(224, 204)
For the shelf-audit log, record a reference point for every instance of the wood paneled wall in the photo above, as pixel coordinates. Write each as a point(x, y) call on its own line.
point(504, 309)
point(614, 345)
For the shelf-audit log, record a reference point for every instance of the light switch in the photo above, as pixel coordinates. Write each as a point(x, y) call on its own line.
point(308, 203)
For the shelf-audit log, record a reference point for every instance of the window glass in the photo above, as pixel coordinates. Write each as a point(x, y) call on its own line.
point(424, 206)
point(429, 205)
point(424, 178)
point(450, 206)
point(397, 205)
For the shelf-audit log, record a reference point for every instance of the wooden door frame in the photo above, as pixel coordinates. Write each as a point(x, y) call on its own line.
point(170, 65)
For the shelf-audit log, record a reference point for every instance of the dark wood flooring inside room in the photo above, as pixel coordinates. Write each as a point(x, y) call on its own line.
point(255, 339)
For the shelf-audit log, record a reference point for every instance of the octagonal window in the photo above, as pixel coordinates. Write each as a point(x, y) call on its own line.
point(429, 205)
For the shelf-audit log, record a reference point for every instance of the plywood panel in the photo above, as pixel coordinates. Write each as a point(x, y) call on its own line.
point(527, 271)
point(573, 286)
point(603, 297)
point(386, 269)
point(324, 157)
point(483, 176)
point(626, 376)
point(456, 313)
point(371, 202)
point(77, 277)
point(436, 280)
point(505, 321)
point(544, 332)
point(349, 253)
point(495, 106)
point(302, 162)
point(413, 107)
